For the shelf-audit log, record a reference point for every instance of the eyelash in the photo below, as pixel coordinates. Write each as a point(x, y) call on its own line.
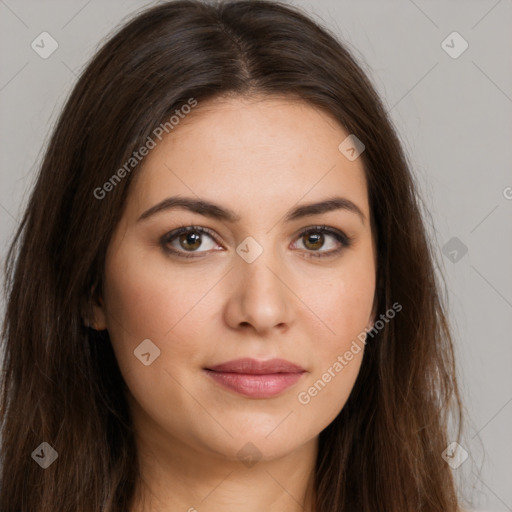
point(344, 240)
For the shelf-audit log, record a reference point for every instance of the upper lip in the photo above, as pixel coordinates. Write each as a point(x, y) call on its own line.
point(248, 365)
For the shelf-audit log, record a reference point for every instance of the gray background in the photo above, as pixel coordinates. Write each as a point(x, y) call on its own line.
point(455, 120)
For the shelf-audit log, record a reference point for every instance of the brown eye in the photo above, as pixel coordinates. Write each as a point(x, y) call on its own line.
point(188, 240)
point(314, 239)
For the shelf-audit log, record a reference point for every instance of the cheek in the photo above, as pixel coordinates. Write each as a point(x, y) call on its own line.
point(344, 303)
point(344, 306)
point(143, 303)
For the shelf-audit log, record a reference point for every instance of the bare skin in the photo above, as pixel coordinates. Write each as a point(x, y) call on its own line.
point(259, 158)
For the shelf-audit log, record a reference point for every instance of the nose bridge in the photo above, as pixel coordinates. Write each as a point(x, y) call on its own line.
point(260, 295)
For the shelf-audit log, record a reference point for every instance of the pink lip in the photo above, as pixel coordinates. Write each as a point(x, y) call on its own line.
point(256, 379)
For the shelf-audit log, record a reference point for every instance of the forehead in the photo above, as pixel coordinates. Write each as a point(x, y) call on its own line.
point(245, 151)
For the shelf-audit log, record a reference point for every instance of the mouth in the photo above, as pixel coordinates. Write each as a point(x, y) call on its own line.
point(256, 379)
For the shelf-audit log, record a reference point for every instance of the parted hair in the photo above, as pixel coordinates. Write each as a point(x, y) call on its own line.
point(60, 380)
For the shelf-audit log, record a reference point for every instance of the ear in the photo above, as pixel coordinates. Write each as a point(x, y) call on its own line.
point(373, 314)
point(99, 317)
point(96, 317)
point(378, 282)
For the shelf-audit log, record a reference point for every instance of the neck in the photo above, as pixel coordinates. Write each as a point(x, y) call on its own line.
point(176, 476)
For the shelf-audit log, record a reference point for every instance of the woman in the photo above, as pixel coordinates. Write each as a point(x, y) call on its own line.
point(221, 295)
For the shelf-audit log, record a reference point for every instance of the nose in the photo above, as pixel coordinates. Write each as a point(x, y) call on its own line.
point(260, 299)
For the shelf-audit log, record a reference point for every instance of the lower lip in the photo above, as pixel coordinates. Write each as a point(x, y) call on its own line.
point(256, 386)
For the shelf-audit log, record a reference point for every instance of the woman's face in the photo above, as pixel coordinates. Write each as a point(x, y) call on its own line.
point(264, 284)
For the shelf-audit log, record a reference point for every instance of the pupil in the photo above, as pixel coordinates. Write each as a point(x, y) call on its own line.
point(317, 240)
point(192, 240)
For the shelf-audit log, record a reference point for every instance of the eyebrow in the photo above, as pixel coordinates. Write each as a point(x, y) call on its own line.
point(218, 212)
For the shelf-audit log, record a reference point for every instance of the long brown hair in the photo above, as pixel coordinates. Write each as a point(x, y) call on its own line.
point(61, 383)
